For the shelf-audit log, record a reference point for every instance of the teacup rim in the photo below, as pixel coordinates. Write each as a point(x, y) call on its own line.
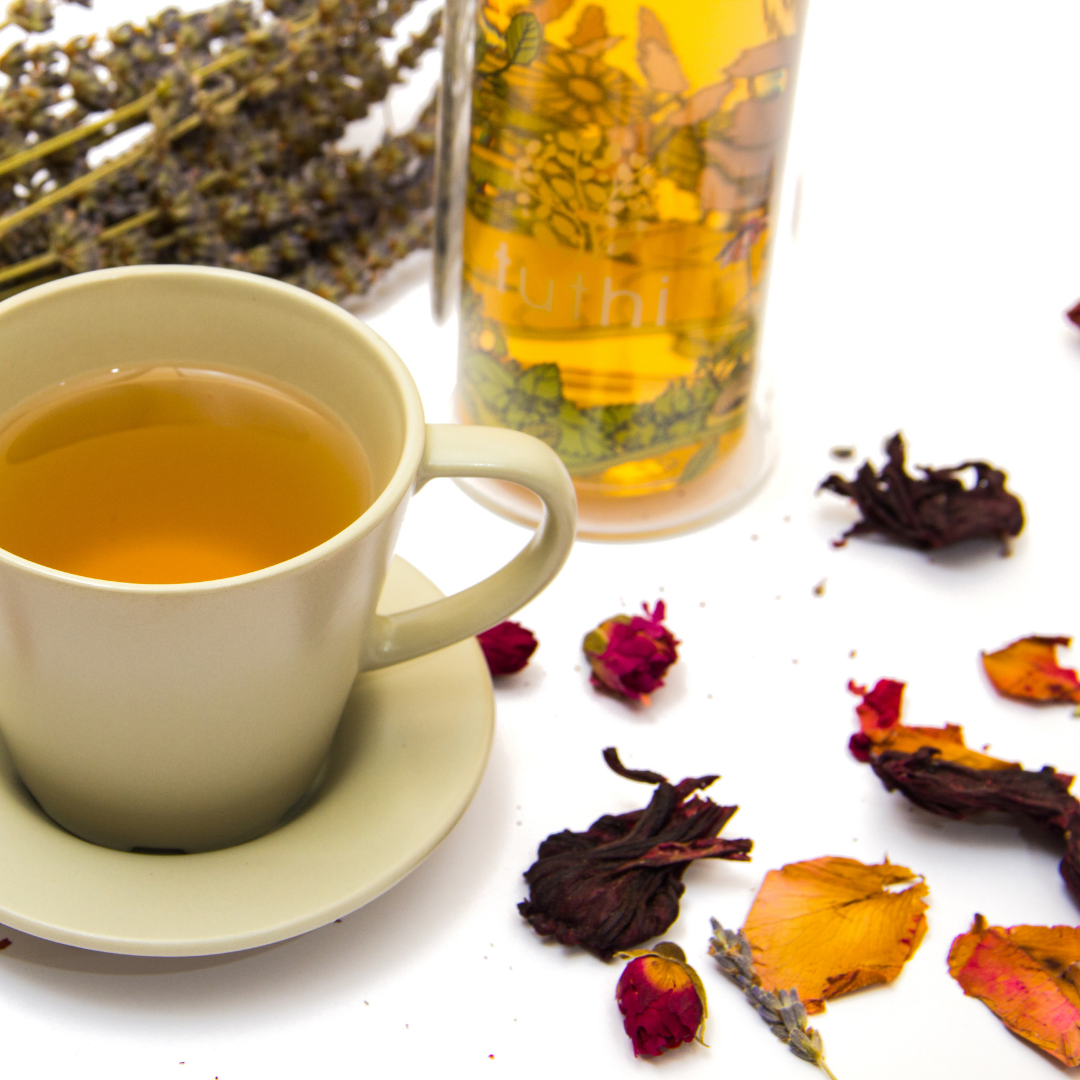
point(392, 493)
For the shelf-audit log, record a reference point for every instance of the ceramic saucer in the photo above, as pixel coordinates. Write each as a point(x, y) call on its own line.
point(408, 757)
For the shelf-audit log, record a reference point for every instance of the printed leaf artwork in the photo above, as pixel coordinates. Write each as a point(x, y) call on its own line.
point(828, 926)
point(656, 57)
point(931, 511)
point(935, 770)
point(617, 884)
point(1028, 669)
point(1028, 976)
point(524, 37)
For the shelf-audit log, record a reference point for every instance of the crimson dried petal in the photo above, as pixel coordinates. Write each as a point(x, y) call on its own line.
point(507, 647)
point(618, 883)
point(662, 999)
point(629, 655)
point(933, 511)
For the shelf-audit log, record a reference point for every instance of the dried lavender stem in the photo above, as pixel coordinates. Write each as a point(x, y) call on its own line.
point(95, 176)
point(782, 1011)
point(29, 266)
point(131, 111)
point(51, 258)
point(23, 286)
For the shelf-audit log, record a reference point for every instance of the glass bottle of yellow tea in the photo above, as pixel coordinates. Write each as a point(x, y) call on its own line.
point(622, 161)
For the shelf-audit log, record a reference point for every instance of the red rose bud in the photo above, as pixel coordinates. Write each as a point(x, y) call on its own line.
point(662, 999)
point(507, 647)
point(630, 655)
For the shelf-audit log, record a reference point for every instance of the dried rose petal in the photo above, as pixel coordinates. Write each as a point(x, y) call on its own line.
point(618, 883)
point(931, 511)
point(662, 999)
point(1028, 669)
point(507, 647)
point(630, 655)
point(1073, 314)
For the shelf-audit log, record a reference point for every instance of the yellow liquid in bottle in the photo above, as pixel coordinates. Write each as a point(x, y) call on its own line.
point(616, 228)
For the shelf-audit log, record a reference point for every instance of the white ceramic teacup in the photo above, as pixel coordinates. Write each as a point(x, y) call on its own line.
point(191, 717)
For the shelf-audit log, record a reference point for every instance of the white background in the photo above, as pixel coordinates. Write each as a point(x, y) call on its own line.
point(919, 286)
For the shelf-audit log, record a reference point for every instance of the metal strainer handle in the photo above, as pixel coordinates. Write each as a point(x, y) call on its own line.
point(452, 152)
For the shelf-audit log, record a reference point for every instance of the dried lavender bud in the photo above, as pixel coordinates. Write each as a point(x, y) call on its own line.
point(782, 1011)
point(929, 512)
point(618, 884)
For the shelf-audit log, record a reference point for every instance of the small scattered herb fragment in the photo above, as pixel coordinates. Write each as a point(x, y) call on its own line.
point(662, 999)
point(1026, 976)
point(782, 1011)
point(507, 647)
point(1028, 669)
point(617, 884)
point(629, 655)
point(931, 511)
point(935, 770)
point(829, 926)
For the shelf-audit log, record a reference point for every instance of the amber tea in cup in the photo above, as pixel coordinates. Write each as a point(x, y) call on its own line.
point(164, 474)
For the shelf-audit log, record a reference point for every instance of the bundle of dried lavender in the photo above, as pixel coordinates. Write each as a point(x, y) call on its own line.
point(246, 101)
point(783, 1011)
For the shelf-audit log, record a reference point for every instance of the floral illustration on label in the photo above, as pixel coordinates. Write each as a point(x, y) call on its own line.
point(617, 226)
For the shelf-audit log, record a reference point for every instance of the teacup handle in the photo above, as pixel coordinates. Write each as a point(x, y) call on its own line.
point(496, 454)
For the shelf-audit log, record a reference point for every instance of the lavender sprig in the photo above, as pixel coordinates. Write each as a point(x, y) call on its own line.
point(782, 1011)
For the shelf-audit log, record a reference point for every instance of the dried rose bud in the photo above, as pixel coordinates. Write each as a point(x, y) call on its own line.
point(507, 647)
point(662, 999)
point(630, 655)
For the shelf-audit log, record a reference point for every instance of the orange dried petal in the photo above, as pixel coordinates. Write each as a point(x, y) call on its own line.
point(879, 719)
point(1028, 669)
point(949, 741)
point(828, 926)
point(1026, 976)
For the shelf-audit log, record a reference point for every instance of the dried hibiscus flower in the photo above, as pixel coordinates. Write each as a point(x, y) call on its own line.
point(936, 770)
point(661, 998)
point(629, 655)
point(931, 511)
point(617, 884)
point(1028, 669)
point(507, 647)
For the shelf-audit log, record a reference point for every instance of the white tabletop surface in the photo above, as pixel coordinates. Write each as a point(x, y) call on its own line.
point(920, 286)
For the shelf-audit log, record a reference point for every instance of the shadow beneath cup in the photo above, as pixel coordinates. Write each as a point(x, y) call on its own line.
point(394, 931)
